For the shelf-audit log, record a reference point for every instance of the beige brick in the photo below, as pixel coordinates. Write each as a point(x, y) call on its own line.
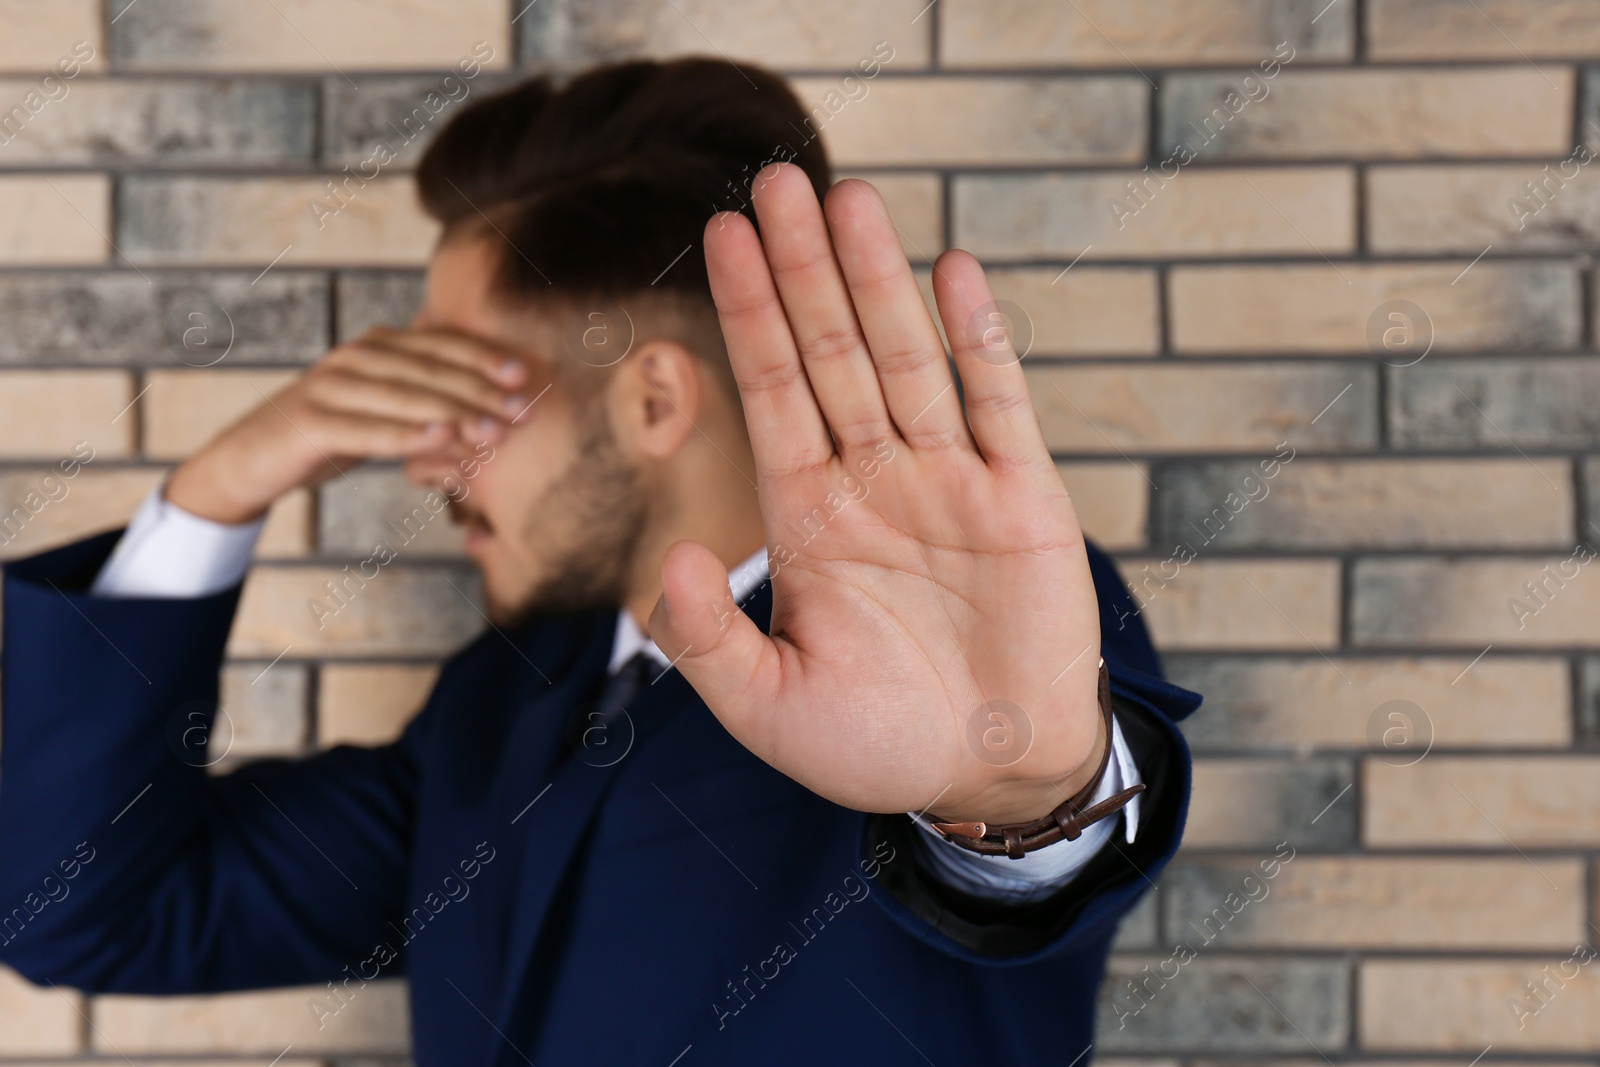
point(44, 413)
point(1293, 605)
point(1506, 503)
point(1111, 499)
point(1121, 33)
point(251, 221)
point(1481, 29)
point(1334, 310)
point(403, 611)
point(56, 220)
point(1340, 902)
point(980, 121)
point(1183, 408)
point(375, 1020)
point(1484, 802)
point(1371, 113)
point(1475, 602)
point(370, 704)
point(915, 203)
point(1463, 1005)
point(1496, 702)
point(317, 36)
point(95, 500)
point(287, 534)
point(41, 32)
point(184, 409)
point(1464, 209)
point(1255, 803)
point(1213, 212)
point(1085, 311)
point(825, 34)
point(90, 501)
point(38, 1020)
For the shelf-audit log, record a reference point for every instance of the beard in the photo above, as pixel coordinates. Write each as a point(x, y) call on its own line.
point(586, 526)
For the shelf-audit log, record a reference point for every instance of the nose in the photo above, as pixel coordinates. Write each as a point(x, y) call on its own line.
point(430, 469)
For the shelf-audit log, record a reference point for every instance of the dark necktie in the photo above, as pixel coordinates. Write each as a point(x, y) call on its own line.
point(600, 731)
point(623, 685)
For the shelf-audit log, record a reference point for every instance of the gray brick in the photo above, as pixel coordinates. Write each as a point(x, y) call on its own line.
point(1549, 402)
point(1138, 929)
point(1589, 106)
point(1589, 473)
point(1369, 113)
point(168, 122)
point(355, 514)
point(1121, 33)
point(1222, 1005)
point(824, 34)
point(268, 711)
point(403, 114)
point(1310, 503)
point(1256, 803)
point(1588, 724)
point(1523, 601)
point(118, 318)
point(376, 298)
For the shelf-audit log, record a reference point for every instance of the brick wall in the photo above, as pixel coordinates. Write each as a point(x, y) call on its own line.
point(1317, 360)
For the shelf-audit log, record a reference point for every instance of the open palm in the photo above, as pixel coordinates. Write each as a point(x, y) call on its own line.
point(935, 634)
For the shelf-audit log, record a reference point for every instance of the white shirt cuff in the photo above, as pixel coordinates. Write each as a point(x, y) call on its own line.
point(1044, 872)
point(168, 552)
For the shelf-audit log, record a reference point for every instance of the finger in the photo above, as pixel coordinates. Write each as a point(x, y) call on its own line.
point(421, 372)
point(999, 406)
point(341, 434)
point(488, 360)
point(720, 651)
point(786, 428)
point(353, 394)
point(817, 305)
point(912, 370)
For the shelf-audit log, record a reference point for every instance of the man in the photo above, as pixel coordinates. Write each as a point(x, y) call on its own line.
point(791, 824)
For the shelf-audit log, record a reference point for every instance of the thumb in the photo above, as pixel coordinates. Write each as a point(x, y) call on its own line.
point(719, 650)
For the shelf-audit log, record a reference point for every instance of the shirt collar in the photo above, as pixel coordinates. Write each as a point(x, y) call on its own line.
point(630, 640)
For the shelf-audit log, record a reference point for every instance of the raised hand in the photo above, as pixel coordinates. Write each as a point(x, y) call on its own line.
point(389, 393)
point(935, 635)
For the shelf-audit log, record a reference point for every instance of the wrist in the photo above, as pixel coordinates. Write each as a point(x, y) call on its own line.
point(1026, 799)
point(197, 487)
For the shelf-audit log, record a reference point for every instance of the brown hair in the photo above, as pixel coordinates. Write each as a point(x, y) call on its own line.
point(601, 189)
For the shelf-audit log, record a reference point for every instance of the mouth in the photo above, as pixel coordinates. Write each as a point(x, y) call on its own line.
point(478, 529)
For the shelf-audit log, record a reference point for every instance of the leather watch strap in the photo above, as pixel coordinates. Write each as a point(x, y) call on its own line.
point(1066, 823)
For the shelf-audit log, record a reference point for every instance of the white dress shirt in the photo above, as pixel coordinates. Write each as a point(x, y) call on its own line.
point(169, 552)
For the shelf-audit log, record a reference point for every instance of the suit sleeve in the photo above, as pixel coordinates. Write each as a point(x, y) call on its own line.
point(124, 865)
point(1085, 913)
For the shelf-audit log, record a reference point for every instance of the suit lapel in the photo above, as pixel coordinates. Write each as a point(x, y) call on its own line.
point(562, 820)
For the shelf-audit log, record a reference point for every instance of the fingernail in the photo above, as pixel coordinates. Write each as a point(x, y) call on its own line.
point(515, 403)
point(433, 429)
point(485, 425)
point(510, 370)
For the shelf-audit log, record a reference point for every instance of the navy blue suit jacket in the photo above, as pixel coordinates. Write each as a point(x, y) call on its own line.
point(665, 891)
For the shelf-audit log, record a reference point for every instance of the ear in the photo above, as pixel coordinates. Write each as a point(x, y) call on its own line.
point(658, 399)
